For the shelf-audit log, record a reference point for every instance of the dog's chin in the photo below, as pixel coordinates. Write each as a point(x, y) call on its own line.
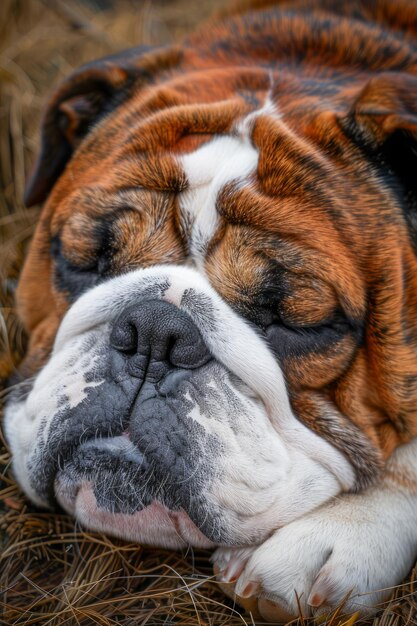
point(105, 485)
point(153, 525)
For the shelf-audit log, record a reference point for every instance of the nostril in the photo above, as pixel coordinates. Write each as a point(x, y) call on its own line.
point(170, 344)
point(189, 351)
point(124, 338)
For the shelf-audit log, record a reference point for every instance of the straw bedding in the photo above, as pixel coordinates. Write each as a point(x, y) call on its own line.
point(51, 571)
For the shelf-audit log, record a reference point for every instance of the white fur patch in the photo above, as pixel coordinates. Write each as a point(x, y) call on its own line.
point(208, 170)
point(62, 382)
point(244, 127)
point(362, 545)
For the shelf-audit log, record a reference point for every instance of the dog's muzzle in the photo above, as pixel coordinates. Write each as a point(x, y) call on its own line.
point(163, 417)
point(146, 452)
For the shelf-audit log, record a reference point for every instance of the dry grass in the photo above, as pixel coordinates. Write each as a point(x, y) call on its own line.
point(51, 571)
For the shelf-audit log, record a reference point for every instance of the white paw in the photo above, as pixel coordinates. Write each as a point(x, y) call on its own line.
point(352, 549)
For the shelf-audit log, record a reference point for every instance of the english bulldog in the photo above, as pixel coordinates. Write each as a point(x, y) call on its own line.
point(221, 299)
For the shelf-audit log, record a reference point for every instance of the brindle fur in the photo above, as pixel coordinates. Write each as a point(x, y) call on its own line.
point(319, 248)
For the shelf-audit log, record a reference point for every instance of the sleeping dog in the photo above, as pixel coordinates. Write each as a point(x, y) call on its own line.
point(221, 299)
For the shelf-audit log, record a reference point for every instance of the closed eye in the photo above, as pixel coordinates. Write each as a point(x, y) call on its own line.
point(74, 279)
point(286, 340)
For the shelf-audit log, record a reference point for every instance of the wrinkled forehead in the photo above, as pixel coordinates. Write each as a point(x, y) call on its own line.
point(171, 117)
point(224, 181)
point(139, 143)
point(163, 139)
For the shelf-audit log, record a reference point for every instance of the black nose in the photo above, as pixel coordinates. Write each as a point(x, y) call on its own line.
point(159, 332)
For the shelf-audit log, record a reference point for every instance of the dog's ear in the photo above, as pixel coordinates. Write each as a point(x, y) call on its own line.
point(89, 93)
point(383, 121)
point(387, 104)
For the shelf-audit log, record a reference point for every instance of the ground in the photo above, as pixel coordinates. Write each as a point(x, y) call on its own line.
point(51, 571)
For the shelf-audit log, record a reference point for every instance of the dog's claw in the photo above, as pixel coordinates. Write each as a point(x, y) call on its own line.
point(246, 589)
point(233, 570)
point(315, 600)
point(322, 590)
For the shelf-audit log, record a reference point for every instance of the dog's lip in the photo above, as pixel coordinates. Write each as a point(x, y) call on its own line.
point(119, 443)
point(154, 524)
point(77, 498)
point(67, 488)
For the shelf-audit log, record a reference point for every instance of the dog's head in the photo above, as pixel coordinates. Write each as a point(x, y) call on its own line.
point(221, 291)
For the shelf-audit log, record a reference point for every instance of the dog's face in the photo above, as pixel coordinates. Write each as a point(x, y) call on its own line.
point(218, 296)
